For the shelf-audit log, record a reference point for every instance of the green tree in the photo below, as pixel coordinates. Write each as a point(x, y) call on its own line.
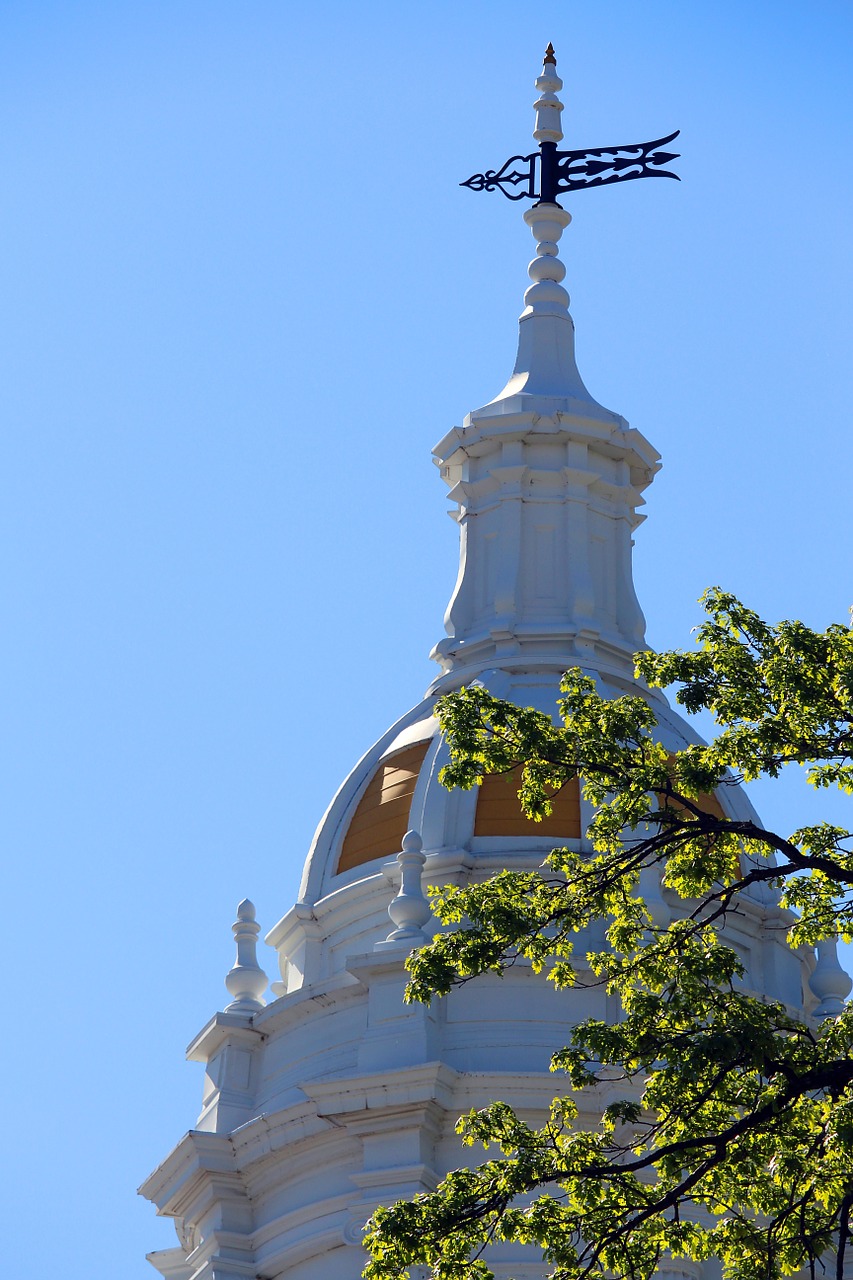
point(735, 1135)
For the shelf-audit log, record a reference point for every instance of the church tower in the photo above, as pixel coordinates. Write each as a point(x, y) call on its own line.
point(335, 1096)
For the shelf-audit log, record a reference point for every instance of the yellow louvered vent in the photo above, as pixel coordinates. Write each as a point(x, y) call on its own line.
point(382, 817)
point(499, 813)
point(707, 801)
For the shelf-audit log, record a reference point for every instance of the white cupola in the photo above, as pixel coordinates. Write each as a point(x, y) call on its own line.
point(334, 1095)
point(547, 484)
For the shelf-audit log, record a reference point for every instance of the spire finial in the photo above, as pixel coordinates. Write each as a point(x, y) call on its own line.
point(549, 56)
point(246, 982)
point(549, 129)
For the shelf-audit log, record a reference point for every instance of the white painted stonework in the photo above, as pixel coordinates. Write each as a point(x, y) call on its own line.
point(336, 1096)
point(547, 484)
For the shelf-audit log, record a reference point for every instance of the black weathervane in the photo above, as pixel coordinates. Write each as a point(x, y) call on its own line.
point(560, 171)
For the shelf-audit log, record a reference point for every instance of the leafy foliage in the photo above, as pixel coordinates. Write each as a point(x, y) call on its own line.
point(734, 1137)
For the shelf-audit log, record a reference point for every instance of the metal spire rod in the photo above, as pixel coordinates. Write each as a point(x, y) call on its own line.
point(557, 172)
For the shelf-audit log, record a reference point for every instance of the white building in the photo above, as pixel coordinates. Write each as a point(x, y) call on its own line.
point(335, 1095)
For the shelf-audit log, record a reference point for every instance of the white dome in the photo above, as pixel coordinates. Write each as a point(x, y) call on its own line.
point(351, 869)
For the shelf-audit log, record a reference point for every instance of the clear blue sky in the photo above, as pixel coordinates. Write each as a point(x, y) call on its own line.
point(242, 295)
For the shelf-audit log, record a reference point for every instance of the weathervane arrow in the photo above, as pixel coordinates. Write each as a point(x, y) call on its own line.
point(556, 172)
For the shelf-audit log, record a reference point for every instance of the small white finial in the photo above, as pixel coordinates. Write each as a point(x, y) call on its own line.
point(651, 891)
point(246, 982)
point(409, 911)
point(829, 982)
point(548, 106)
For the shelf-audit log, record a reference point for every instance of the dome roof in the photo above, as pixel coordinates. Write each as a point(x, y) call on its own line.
point(395, 788)
point(351, 868)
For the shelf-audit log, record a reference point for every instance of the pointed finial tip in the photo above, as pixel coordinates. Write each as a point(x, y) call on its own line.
point(549, 56)
point(246, 910)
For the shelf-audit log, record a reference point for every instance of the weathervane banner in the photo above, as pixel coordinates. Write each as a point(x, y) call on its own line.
point(557, 172)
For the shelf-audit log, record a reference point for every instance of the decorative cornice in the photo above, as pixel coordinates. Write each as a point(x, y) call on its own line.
point(189, 1172)
point(222, 1028)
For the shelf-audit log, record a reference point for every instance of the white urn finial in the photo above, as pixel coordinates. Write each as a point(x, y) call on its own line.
point(546, 296)
point(409, 911)
point(829, 982)
point(547, 220)
point(246, 982)
point(651, 891)
point(548, 106)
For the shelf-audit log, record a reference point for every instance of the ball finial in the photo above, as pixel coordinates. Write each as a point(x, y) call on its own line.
point(549, 56)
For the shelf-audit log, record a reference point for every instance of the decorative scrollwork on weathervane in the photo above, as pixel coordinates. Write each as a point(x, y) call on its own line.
point(556, 172)
point(506, 176)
